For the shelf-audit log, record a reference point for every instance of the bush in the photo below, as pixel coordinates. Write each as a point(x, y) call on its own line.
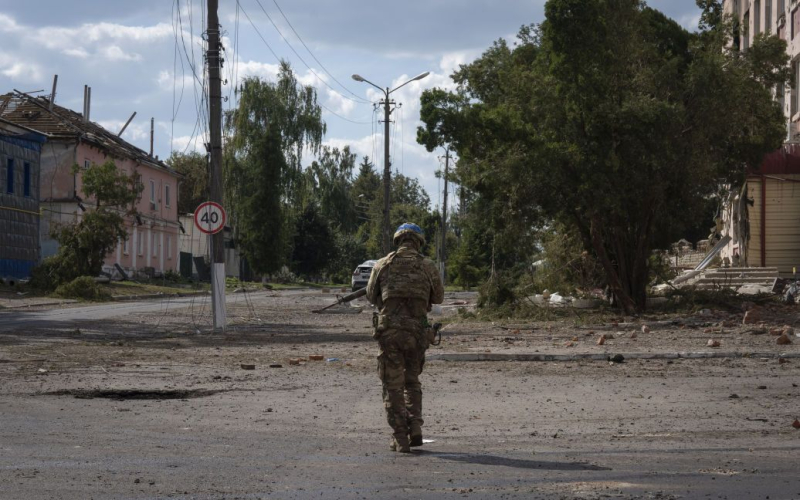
point(82, 287)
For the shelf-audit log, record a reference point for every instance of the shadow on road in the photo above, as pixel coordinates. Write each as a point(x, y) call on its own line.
point(514, 462)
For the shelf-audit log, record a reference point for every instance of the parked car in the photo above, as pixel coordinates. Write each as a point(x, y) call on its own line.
point(361, 274)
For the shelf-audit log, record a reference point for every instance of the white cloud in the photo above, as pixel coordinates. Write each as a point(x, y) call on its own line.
point(259, 69)
point(114, 53)
point(20, 71)
point(78, 52)
point(8, 24)
point(188, 143)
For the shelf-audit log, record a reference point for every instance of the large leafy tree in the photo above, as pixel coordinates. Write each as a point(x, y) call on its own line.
point(194, 184)
point(611, 118)
point(330, 179)
point(274, 123)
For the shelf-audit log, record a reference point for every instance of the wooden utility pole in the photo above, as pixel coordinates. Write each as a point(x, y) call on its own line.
point(215, 129)
point(443, 249)
point(386, 240)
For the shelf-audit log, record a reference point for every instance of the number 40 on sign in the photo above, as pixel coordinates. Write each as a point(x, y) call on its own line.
point(209, 217)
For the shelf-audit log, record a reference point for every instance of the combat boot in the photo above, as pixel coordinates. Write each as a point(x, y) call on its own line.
point(400, 444)
point(414, 434)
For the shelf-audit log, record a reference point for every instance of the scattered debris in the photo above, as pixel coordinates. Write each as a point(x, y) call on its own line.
point(645, 329)
point(42, 370)
point(601, 339)
point(276, 365)
point(796, 424)
point(247, 366)
point(617, 358)
point(750, 317)
point(733, 396)
point(713, 343)
point(782, 361)
point(316, 357)
point(294, 361)
point(332, 360)
point(783, 340)
point(634, 335)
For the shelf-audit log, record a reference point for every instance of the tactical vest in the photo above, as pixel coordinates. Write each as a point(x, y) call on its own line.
point(405, 278)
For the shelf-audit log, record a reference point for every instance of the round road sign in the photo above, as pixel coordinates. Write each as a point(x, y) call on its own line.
point(209, 217)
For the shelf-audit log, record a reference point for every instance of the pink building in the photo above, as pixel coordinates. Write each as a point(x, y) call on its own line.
point(72, 139)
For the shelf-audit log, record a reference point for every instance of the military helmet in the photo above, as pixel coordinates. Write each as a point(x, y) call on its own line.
point(406, 229)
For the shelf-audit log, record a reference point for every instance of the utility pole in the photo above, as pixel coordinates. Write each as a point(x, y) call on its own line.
point(443, 249)
point(386, 237)
point(387, 176)
point(215, 127)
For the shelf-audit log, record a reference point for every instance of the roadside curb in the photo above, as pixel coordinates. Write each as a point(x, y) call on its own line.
point(41, 304)
point(605, 357)
point(149, 296)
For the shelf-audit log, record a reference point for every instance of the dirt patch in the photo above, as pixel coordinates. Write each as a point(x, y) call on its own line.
point(132, 394)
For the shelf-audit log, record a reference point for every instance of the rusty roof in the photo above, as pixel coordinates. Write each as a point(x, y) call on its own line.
point(62, 123)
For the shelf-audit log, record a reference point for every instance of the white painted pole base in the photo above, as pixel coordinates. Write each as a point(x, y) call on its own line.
point(218, 295)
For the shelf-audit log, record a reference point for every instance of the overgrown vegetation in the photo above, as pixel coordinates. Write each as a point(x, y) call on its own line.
point(84, 244)
point(609, 120)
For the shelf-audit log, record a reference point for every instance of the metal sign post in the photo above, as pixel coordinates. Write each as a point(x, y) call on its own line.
point(209, 218)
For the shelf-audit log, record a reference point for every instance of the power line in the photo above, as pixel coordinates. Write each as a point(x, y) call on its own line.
point(362, 100)
point(315, 57)
point(295, 74)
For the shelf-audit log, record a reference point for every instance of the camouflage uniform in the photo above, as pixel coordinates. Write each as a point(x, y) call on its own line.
point(403, 285)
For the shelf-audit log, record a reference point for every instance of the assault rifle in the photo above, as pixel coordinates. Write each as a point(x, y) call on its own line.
point(343, 300)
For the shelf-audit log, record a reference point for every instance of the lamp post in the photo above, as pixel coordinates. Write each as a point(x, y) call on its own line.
point(387, 173)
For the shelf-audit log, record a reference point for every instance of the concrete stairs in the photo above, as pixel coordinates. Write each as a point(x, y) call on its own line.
point(735, 278)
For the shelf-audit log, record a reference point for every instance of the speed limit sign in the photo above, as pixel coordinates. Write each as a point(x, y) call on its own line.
point(209, 217)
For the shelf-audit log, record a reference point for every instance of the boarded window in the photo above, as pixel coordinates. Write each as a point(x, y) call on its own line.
point(10, 176)
point(26, 187)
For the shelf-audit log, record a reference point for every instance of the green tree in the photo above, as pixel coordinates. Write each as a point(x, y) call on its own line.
point(613, 119)
point(314, 243)
point(84, 245)
point(193, 167)
point(330, 179)
point(274, 123)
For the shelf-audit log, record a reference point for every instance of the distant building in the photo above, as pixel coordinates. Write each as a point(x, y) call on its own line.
point(195, 256)
point(72, 139)
point(20, 151)
point(763, 216)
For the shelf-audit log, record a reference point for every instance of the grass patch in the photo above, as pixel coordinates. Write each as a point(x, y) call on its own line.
point(127, 288)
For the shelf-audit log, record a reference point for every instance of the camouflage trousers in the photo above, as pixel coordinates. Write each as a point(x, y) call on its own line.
point(399, 367)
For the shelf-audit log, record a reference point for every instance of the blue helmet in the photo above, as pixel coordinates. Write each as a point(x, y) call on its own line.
point(409, 228)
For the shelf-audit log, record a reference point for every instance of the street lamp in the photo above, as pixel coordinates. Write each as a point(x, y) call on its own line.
point(387, 110)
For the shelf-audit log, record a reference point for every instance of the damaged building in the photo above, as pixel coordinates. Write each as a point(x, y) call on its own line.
point(73, 139)
point(20, 151)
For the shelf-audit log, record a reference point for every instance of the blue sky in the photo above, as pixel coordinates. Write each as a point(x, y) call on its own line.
point(127, 52)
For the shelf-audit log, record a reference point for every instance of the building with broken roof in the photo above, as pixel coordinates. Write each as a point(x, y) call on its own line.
point(73, 139)
point(20, 151)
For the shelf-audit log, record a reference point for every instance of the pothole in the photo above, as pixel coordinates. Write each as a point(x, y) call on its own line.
point(133, 394)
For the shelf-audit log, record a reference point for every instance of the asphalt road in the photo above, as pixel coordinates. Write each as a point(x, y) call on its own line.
point(653, 429)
